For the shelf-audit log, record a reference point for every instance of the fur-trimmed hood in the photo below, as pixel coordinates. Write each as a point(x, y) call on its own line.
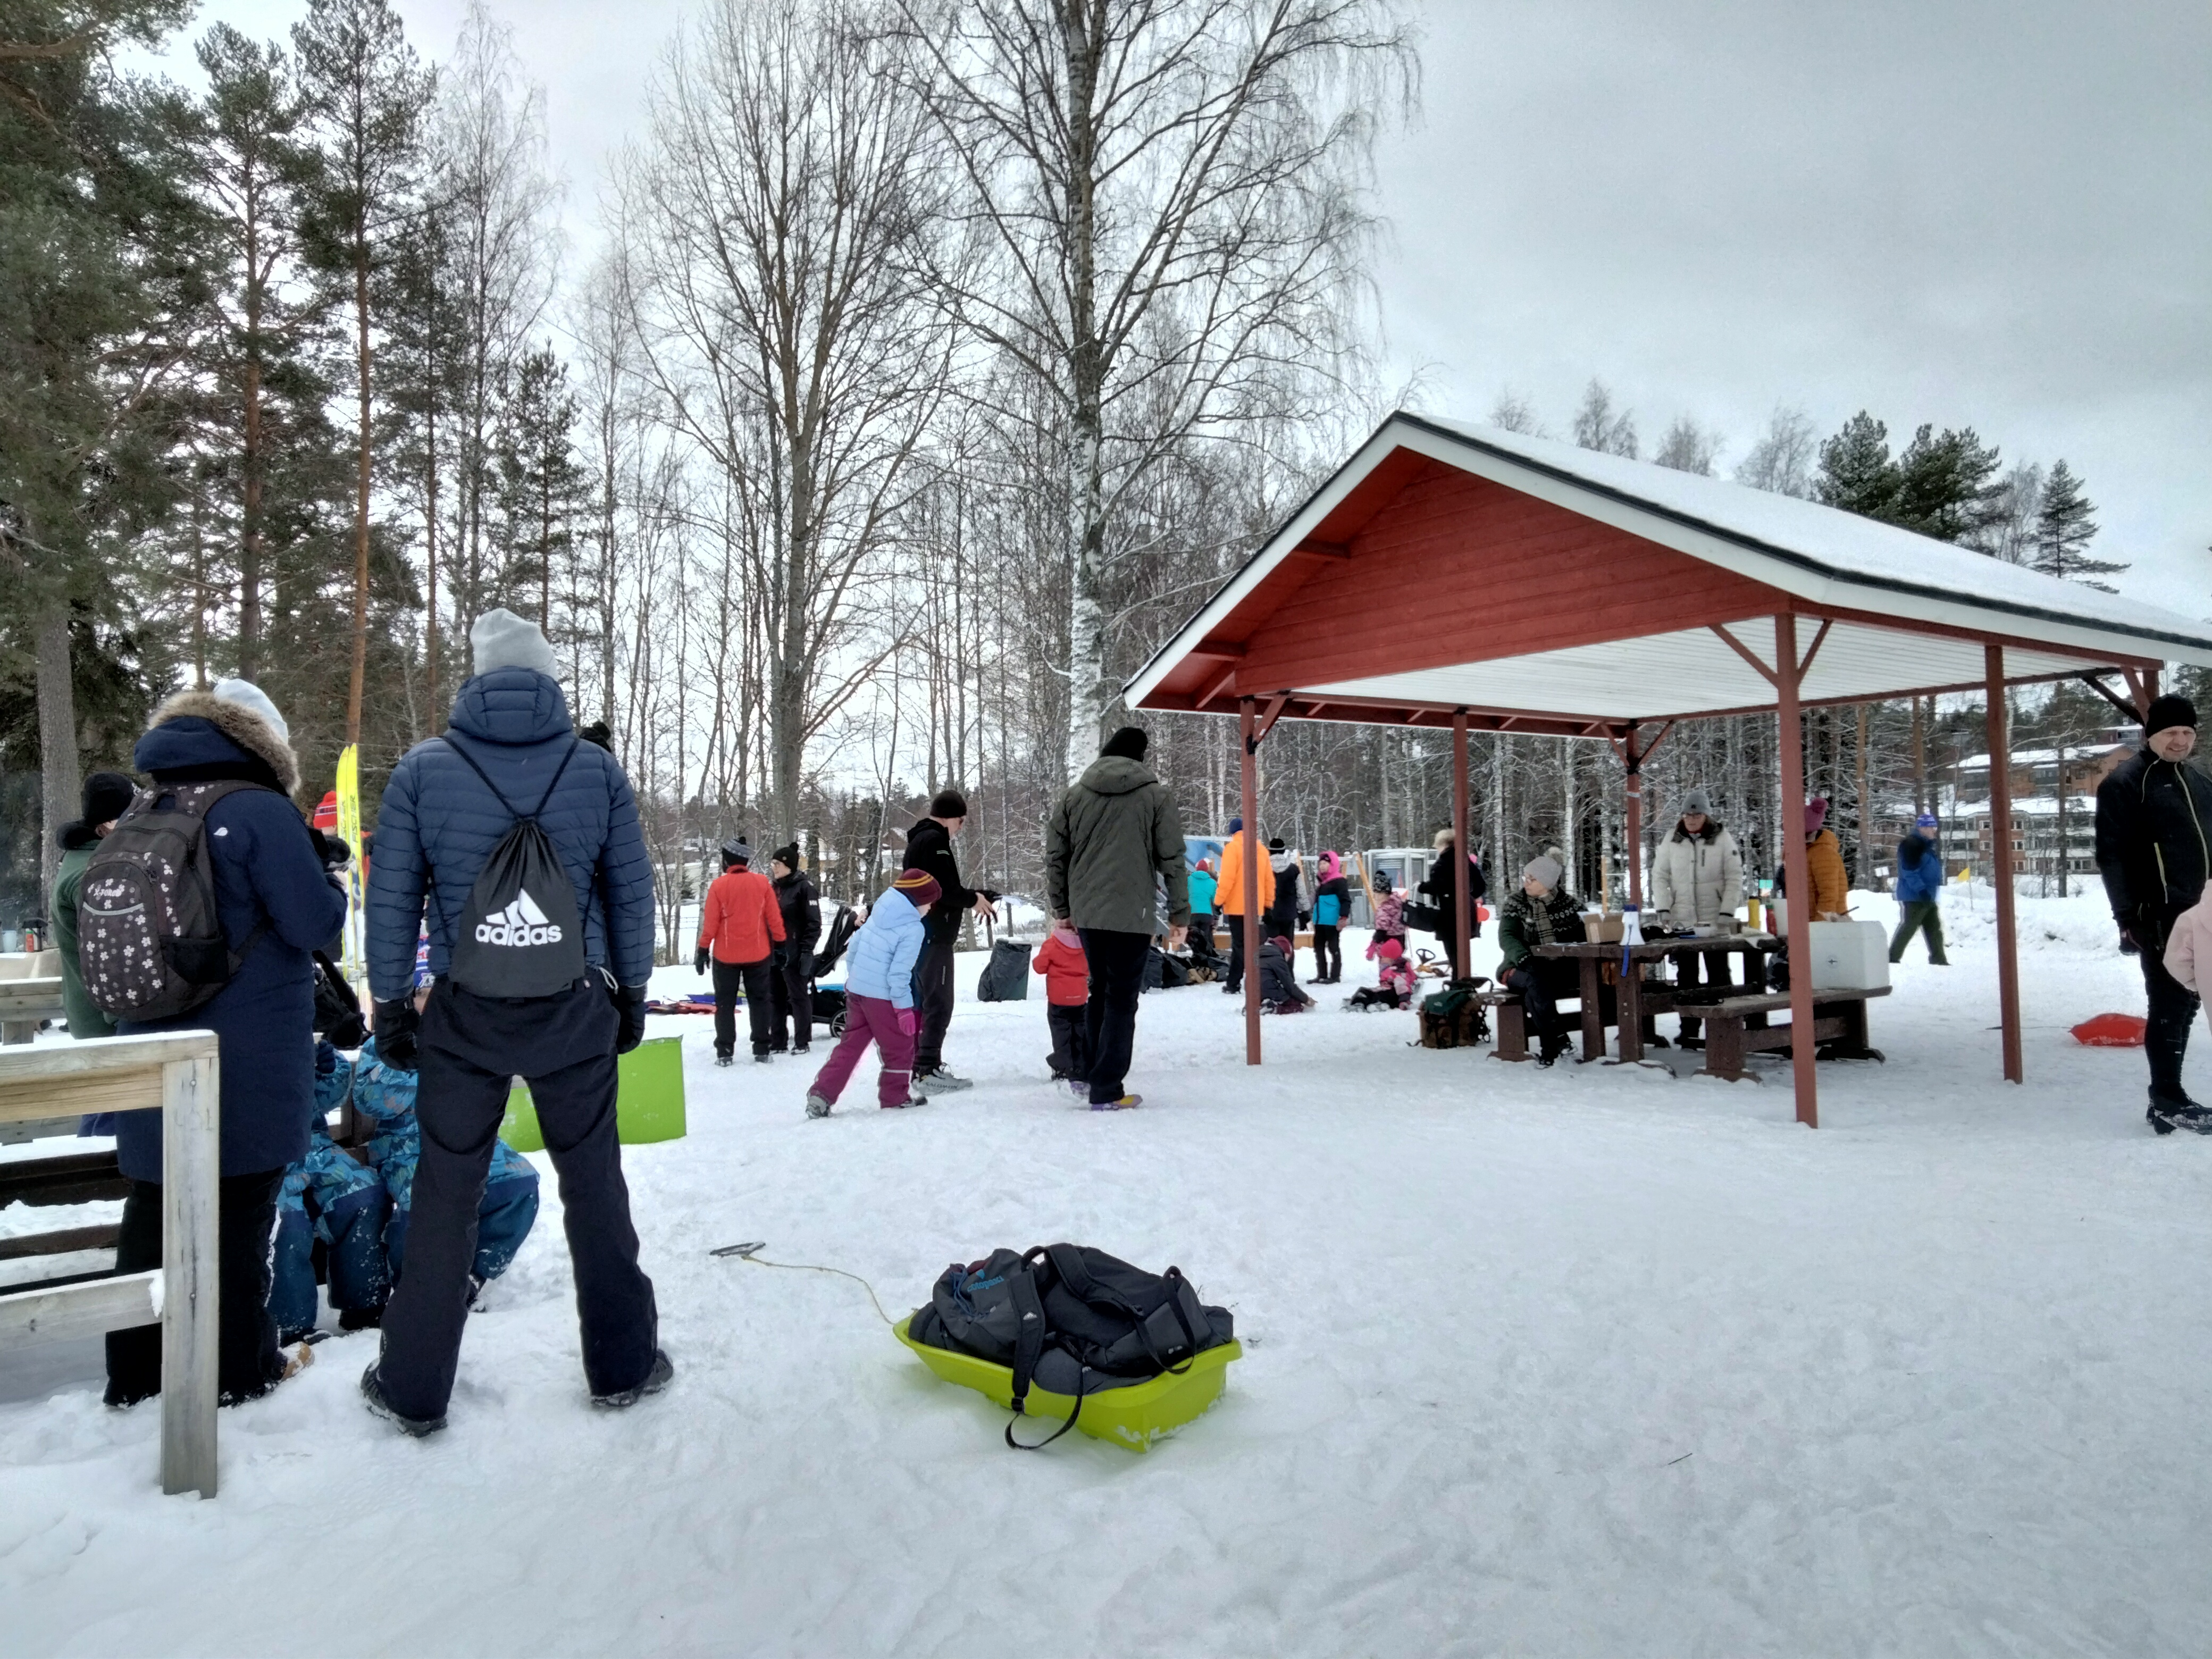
point(245, 730)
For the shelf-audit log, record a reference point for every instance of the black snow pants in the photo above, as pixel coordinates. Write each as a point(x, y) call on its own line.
point(471, 1049)
point(1328, 955)
point(1117, 979)
point(2171, 1011)
point(791, 979)
point(247, 1363)
point(752, 978)
point(933, 1004)
point(1070, 1025)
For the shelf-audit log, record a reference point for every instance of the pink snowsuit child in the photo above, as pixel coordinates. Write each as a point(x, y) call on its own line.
point(879, 996)
point(2189, 945)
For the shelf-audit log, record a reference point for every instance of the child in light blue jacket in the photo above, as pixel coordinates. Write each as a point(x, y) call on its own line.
point(879, 997)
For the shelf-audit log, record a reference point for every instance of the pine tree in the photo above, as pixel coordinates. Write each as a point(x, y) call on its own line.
point(543, 487)
point(1944, 487)
point(1856, 473)
point(2063, 531)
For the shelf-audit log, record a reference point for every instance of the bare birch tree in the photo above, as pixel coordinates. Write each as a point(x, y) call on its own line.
point(1173, 192)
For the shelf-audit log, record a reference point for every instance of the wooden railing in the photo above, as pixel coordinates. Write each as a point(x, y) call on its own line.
point(178, 1074)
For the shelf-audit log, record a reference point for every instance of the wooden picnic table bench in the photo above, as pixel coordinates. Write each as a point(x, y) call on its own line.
point(1639, 1001)
point(1737, 1027)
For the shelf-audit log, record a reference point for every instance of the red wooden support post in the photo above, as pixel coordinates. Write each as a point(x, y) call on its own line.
point(1248, 751)
point(1463, 877)
point(2000, 866)
point(1796, 871)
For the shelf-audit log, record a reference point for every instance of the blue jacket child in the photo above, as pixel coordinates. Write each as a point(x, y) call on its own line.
point(879, 962)
point(329, 1199)
point(1919, 868)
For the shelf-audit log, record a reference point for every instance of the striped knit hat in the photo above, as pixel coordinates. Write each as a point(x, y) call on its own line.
point(920, 887)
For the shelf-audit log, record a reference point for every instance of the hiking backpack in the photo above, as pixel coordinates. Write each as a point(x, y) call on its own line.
point(519, 934)
point(150, 941)
point(1069, 1319)
point(1456, 1017)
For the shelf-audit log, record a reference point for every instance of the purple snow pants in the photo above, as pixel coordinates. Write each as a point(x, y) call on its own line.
point(869, 1020)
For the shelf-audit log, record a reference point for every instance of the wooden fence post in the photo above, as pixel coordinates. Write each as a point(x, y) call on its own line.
point(192, 1164)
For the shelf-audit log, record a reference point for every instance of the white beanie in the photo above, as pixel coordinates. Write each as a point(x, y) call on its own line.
point(247, 695)
point(502, 640)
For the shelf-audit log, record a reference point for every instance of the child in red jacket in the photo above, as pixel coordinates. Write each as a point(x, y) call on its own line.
point(1067, 994)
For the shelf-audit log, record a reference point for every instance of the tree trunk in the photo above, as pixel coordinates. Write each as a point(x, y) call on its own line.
point(61, 777)
point(361, 494)
point(1091, 698)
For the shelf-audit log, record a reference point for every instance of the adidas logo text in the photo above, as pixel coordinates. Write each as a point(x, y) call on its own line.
point(522, 923)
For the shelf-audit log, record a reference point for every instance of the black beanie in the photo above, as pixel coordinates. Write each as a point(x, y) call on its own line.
point(108, 793)
point(787, 855)
point(948, 804)
point(1129, 744)
point(2169, 710)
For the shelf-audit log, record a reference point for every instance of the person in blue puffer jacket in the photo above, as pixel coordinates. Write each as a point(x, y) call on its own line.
point(1919, 880)
point(511, 750)
point(879, 997)
point(277, 902)
point(330, 1200)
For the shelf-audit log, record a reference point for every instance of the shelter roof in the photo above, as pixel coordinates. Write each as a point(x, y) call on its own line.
point(1550, 587)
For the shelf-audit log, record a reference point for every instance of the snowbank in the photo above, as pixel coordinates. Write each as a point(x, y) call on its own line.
point(1593, 1360)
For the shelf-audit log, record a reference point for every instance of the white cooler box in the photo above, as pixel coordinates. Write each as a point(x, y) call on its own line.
point(1849, 956)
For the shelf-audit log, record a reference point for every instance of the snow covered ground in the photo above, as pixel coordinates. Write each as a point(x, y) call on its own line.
point(1595, 1360)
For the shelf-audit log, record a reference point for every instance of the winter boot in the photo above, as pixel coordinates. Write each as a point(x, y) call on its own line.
point(816, 1106)
point(1122, 1105)
point(938, 1081)
point(2166, 1115)
point(763, 1058)
point(373, 1391)
point(722, 1059)
point(659, 1377)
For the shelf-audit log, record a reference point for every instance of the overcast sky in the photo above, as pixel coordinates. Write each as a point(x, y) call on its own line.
point(1992, 213)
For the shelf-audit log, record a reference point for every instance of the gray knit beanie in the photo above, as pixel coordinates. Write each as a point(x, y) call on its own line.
point(1545, 871)
point(247, 695)
point(502, 640)
point(1698, 801)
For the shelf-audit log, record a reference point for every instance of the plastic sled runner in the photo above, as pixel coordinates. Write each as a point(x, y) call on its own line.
point(1132, 1418)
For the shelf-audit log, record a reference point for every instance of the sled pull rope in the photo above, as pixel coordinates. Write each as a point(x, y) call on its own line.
point(746, 1253)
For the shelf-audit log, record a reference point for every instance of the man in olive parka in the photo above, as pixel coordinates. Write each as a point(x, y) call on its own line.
point(1113, 839)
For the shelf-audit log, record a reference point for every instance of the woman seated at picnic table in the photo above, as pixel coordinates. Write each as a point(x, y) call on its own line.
point(1542, 913)
point(1697, 881)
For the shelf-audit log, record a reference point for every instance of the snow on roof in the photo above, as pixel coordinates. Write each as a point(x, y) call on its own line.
point(1819, 554)
point(2080, 751)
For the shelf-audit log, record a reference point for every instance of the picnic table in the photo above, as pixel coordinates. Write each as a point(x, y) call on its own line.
point(1639, 1001)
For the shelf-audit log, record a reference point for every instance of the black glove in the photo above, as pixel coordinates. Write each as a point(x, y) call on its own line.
point(396, 1025)
point(629, 1004)
point(334, 853)
point(2128, 946)
point(699, 961)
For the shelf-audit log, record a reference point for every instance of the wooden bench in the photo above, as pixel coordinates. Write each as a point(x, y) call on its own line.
point(178, 1074)
point(27, 1004)
point(1737, 1027)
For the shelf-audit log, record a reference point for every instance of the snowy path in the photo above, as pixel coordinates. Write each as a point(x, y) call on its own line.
point(1585, 1361)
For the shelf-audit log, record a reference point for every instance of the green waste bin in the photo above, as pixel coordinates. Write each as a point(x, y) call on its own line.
point(648, 1099)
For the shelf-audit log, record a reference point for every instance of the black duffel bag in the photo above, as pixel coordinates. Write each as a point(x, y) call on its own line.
point(1070, 1319)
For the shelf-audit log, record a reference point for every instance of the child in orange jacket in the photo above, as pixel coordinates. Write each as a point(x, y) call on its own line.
point(1066, 973)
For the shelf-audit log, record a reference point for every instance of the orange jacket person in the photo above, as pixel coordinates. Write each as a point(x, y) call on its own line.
point(1229, 898)
point(739, 925)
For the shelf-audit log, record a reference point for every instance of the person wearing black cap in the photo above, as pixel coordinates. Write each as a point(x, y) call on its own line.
point(929, 847)
point(792, 977)
point(2155, 852)
point(106, 795)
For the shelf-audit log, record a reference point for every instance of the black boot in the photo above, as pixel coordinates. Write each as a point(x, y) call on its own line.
point(2166, 1115)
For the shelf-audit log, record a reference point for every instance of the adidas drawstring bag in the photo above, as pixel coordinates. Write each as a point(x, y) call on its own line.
point(519, 934)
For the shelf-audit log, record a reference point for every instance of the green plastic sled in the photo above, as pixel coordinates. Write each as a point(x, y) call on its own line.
point(1132, 1418)
point(648, 1099)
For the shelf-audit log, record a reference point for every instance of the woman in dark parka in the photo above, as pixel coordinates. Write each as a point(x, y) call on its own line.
point(270, 874)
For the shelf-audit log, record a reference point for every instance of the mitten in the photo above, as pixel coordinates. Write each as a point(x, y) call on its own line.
point(699, 961)
point(396, 1022)
point(906, 1022)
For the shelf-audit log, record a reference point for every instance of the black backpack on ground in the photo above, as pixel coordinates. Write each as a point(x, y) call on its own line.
point(519, 934)
point(149, 940)
point(1070, 1319)
point(1005, 976)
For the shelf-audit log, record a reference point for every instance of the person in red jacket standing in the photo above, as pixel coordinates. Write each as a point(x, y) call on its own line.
point(739, 927)
point(1066, 973)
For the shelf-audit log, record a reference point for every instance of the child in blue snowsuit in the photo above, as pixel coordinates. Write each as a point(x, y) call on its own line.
point(330, 1200)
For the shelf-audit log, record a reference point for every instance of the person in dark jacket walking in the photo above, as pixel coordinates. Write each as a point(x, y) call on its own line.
point(1111, 842)
point(929, 847)
point(105, 797)
point(793, 978)
point(1279, 916)
point(1919, 879)
point(2154, 850)
point(1442, 887)
point(277, 902)
point(510, 748)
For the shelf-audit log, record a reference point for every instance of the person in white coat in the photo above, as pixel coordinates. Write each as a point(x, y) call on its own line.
point(1697, 881)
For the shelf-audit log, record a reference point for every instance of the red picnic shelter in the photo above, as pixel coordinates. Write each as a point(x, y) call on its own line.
point(1534, 587)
